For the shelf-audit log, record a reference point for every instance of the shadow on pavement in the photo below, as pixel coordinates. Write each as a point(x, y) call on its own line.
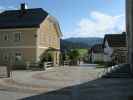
point(99, 89)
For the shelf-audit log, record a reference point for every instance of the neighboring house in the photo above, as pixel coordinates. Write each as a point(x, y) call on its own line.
point(119, 56)
point(26, 34)
point(97, 54)
point(115, 48)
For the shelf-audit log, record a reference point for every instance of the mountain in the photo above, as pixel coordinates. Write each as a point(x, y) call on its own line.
point(89, 41)
point(71, 43)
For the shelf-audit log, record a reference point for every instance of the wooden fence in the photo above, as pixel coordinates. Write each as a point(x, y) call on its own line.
point(48, 64)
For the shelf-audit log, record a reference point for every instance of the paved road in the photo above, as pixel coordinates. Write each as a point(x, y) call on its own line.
point(5, 95)
point(56, 78)
point(64, 83)
point(88, 65)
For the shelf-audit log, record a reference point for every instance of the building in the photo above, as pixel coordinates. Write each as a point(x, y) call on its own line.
point(129, 29)
point(96, 54)
point(26, 34)
point(119, 56)
point(115, 48)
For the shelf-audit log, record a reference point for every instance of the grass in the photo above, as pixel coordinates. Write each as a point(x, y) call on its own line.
point(83, 52)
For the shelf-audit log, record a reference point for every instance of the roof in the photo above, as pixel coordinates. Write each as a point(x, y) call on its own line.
point(17, 19)
point(116, 40)
point(98, 48)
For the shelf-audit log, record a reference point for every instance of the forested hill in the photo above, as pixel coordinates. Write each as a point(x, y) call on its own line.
point(71, 43)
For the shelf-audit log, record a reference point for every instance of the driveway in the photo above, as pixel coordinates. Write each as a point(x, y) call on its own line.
point(89, 65)
point(55, 78)
point(64, 83)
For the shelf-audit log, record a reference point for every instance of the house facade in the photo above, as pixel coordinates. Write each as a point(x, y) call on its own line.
point(115, 48)
point(26, 34)
point(97, 54)
point(119, 56)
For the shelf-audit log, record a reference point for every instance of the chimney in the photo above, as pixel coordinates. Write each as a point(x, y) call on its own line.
point(23, 9)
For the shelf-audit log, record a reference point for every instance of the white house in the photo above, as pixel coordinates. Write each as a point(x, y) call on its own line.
point(97, 54)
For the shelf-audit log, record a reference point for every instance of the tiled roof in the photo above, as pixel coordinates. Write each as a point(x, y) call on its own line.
point(116, 40)
point(98, 48)
point(18, 19)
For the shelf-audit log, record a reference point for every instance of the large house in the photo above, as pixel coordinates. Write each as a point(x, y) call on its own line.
point(26, 34)
point(115, 48)
point(96, 53)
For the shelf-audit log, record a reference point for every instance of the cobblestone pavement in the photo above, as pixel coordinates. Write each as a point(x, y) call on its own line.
point(64, 83)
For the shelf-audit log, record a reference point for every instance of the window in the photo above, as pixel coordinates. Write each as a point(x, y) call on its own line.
point(5, 37)
point(17, 37)
point(122, 59)
point(5, 57)
point(18, 56)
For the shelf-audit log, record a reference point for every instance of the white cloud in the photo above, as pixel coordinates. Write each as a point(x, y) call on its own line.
point(11, 7)
point(98, 24)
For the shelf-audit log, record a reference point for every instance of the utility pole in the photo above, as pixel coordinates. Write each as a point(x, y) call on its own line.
point(129, 29)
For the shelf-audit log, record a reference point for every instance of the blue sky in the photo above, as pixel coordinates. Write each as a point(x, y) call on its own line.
point(80, 18)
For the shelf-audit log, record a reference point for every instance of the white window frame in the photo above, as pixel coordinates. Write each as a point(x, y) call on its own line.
point(6, 56)
point(5, 35)
point(19, 38)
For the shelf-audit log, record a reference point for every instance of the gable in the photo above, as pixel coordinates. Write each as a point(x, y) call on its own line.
point(50, 20)
point(106, 44)
point(115, 40)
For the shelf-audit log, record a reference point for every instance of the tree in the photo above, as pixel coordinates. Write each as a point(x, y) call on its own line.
point(74, 56)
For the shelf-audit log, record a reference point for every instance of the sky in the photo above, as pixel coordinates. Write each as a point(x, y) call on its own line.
point(79, 18)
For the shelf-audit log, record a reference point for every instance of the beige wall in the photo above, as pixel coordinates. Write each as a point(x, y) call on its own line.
point(27, 55)
point(27, 34)
point(40, 51)
point(48, 36)
point(26, 46)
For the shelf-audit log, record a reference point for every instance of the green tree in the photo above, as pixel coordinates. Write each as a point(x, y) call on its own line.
point(74, 56)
